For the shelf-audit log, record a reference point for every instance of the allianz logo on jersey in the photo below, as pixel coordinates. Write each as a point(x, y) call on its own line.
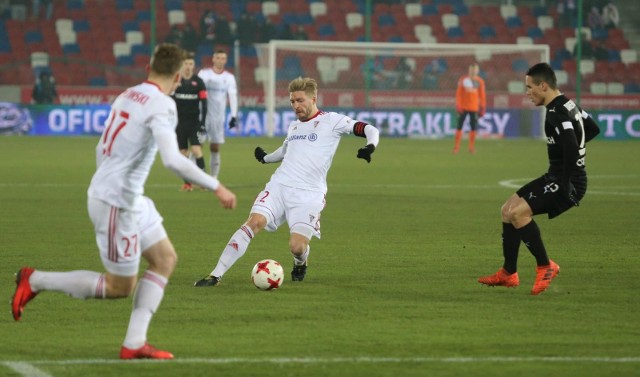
point(551, 140)
point(311, 137)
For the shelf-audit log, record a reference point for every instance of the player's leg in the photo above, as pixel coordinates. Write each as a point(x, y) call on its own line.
point(458, 135)
point(216, 138)
point(473, 122)
point(299, 246)
point(182, 136)
point(160, 254)
point(303, 214)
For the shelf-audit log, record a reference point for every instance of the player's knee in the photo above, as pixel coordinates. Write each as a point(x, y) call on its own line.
point(507, 213)
point(164, 263)
point(256, 222)
point(297, 247)
point(119, 287)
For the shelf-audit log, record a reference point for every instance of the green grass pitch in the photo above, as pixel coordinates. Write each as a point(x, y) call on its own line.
point(392, 285)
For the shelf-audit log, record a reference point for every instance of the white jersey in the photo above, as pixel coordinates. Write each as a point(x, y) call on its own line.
point(309, 149)
point(219, 87)
point(141, 119)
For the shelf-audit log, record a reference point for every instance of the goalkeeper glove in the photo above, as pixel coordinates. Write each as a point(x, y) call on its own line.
point(365, 152)
point(232, 122)
point(260, 153)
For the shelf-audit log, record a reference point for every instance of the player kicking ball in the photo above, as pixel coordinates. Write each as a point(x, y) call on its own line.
point(296, 192)
point(567, 128)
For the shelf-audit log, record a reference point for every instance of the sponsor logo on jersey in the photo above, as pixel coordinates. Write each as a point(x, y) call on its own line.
point(551, 140)
point(569, 105)
point(313, 137)
point(297, 137)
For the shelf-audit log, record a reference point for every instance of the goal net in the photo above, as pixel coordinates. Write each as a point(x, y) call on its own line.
point(405, 89)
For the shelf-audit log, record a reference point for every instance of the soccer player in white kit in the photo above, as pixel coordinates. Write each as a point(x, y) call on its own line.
point(220, 84)
point(296, 191)
point(142, 122)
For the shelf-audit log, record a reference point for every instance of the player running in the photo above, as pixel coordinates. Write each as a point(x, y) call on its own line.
point(127, 225)
point(567, 128)
point(297, 189)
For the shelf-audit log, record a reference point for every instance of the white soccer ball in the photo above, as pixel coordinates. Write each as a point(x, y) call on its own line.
point(267, 274)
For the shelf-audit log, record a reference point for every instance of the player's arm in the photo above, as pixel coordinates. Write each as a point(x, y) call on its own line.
point(483, 99)
point(202, 95)
point(372, 135)
point(459, 97)
point(233, 103)
point(268, 158)
point(591, 128)
point(571, 154)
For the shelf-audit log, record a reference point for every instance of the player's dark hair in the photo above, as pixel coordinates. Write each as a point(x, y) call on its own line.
point(188, 55)
point(543, 72)
point(306, 84)
point(167, 59)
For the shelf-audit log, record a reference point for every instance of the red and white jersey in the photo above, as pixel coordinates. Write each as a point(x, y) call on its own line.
point(219, 87)
point(309, 149)
point(142, 120)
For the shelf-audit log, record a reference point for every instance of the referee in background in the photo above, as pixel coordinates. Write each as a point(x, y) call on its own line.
point(191, 101)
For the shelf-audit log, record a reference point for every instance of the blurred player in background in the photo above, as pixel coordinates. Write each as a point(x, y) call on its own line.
point(220, 85)
point(296, 192)
point(191, 102)
point(568, 129)
point(470, 100)
point(127, 225)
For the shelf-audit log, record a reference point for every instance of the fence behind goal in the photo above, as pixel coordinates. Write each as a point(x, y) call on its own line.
point(356, 77)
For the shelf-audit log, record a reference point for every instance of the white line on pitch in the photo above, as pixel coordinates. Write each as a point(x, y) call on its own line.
point(25, 369)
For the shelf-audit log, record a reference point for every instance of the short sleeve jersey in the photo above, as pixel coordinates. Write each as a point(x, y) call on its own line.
point(188, 96)
point(309, 150)
point(219, 86)
point(127, 149)
point(470, 94)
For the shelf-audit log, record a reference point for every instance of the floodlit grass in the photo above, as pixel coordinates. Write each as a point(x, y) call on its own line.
point(391, 288)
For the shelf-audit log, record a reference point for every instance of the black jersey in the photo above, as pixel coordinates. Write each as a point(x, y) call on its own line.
point(189, 96)
point(567, 128)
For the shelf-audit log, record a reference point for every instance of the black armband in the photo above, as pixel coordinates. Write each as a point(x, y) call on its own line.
point(358, 129)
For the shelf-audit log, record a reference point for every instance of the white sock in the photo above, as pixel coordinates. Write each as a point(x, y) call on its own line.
point(236, 247)
point(78, 284)
point(302, 259)
point(146, 300)
point(214, 164)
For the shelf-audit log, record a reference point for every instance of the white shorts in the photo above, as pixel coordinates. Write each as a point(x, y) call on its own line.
point(122, 235)
point(215, 130)
point(299, 208)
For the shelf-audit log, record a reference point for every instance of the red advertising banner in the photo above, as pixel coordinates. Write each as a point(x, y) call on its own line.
point(73, 95)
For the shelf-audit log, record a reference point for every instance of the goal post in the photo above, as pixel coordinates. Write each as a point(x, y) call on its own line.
point(355, 76)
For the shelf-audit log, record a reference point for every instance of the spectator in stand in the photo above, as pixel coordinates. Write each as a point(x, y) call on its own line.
point(587, 48)
point(404, 77)
point(610, 15)
point(431, 74)
point(600, 52)
point(285, 32)
point(567, 13)
point(223, 31)
point(44, 91)
point(48, 8)
point(300, 34)
point(207, 27)
point(175, 35)
point(18, 10)
point(247, 28)
point(594, 20)
point(267, 32)
point(189, 38)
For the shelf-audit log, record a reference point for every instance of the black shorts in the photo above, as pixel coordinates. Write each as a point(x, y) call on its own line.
point(543, 194)
point(187, 133)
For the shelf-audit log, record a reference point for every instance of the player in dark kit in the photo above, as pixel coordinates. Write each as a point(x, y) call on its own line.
point(567, 128)
point(191, 101)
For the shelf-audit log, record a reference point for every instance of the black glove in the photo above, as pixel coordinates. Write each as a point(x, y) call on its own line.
point(365, 152)
point(259, 153)
point(202, 131)
point(232, 122)
point(570, 194)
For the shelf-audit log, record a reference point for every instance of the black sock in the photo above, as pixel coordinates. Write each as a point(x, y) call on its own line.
point(200, 163)
point(530, 235)
point(510, 246)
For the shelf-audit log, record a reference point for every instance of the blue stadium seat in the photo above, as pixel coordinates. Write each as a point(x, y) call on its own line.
point(326, 30)
point(81, 25)
point(124, 4)
point(614, 55)
point(386, 20)
point(599, 34)
point(520, 65)
point(514, 22)
point(460, 9)
point(631, 87)
point(124, 60)
point(429, 10)
point(455, 32)
point(140, 50)
point(75, 4)
point(173, 5)
point(33, 36)
point(487, 31)
point(563, 54)
point(535, 32)
point(143, 15)
point(130, 26)
point(305, 19)
point(72, 48)
point(97, 81)
point(540, 11)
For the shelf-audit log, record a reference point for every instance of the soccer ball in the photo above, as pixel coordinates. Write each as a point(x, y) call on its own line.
point(267, 274)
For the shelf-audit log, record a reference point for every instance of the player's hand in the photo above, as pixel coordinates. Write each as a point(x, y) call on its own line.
point(365, 152)
point(202, 132)
point(459, 110)
point(481, 112)
point(260, 153)
point(233, 122)
point(226, 197)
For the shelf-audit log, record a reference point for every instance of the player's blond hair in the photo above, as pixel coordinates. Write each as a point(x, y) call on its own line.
point(167, 59)
point(306, 84)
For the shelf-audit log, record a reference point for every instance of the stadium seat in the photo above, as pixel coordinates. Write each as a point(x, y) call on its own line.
point(342, 63)
point(450, 20)
point(33, 36)
point(586, 32)
point(170, 5)
point(483, 54)
point(318, 8)
point(516, 87)
point(534, 32)
point(513, 22)
point(177, 17)
point(39, 59)
point(545, 22)
point(524, 40)
point(413, 9)
point(121, 48)
point(67, 37)
point(354, 20)
point(270, 7)
point(134, 37)
point(487, 31)
point(587, 66)
point(508, 10)
point(615, 88)
point(628, 56)
point(598, 88)
point(562, 77)
point(64, 24)
point(569, 44)
point(520, 65)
